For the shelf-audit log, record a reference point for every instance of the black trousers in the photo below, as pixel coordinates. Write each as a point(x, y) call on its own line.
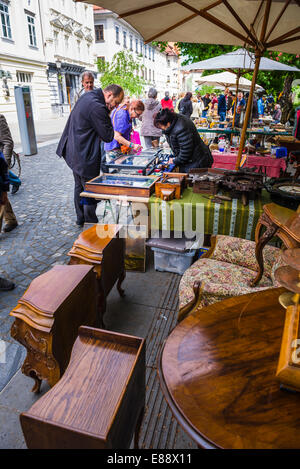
point(85, 208)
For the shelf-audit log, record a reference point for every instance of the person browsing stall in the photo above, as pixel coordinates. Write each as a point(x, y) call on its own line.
point(186, 144)
point(80, 145)
point(121, 119)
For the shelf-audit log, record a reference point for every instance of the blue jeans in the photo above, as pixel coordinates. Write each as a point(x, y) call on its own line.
point(222, 116)
point(204, 113)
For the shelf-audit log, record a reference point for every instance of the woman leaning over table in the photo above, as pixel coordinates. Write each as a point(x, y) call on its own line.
point(121, 118)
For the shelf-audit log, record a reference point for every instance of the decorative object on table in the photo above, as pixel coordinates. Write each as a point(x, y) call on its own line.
point(102, 247)
point(288, 370)
point(278, 221)
point(206, 180)
point(48, 316)
point(244, 184)
point(171, 186)
point(99, 402)
point(119, 184)
point(135, 249)
point(284, 192)
point(143, 163)
point(227, 269)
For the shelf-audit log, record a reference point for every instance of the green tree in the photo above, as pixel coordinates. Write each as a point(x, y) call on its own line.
point(124, 71)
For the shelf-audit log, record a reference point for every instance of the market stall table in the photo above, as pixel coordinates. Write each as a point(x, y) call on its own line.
point(269, 166)
point(226, 218)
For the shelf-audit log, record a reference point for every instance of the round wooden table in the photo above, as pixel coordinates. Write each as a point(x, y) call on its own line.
point(217, 371)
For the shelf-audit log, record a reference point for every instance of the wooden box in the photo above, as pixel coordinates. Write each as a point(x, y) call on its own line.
point(170, 186)
point(119, 184)
point(48, 316)
point(99, 401)
point(206, 180)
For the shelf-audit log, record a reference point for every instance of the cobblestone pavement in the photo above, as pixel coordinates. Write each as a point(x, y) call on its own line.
point(45, 212)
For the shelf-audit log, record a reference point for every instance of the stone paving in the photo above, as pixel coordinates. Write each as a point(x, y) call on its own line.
point(46, 231)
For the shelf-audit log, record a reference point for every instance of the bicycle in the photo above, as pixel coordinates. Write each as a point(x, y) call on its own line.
point(15, 161)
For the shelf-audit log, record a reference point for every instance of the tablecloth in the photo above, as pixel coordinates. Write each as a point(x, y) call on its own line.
point(270, 166)
point(230, 218)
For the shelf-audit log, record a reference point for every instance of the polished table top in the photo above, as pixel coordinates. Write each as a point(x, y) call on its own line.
point(217, 371)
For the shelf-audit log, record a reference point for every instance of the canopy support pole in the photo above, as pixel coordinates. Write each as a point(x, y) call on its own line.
point(248, 111)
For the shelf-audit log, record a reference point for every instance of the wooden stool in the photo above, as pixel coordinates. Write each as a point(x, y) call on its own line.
point(48, 316)
point(279, 221)
point(102, 247)
point(99, 401)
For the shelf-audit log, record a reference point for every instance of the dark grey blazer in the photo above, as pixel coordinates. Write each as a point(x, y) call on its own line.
point(88, 124)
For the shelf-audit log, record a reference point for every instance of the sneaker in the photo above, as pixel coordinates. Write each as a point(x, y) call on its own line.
point(6, 285)
point(80, 222)
point(10, 227)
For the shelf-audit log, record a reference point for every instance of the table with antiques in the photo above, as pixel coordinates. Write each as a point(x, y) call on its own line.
point(210, 214)
point(103, 247)
point(271, 167)
point(99, 401)
point(217, 371)
point(47, 318)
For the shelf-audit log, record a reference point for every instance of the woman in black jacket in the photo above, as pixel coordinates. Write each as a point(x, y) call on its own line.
point(188, 148)
point(186, 106)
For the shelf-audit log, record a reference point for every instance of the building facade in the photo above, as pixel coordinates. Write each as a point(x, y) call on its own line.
point(159, 69)
point(22, 60)
point(44, 44)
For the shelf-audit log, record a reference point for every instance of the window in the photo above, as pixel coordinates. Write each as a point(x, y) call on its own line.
point(168, 63)
point(141, 47)
point(137, 46)
point(99, 32)
point(56, 41)
point(168, 79)
point(131, 43)
point(125, 39)
point(78, 48)
point(23, 77)
point(153, 54)
point(149, 52)
point(5, 21)
point(117, 35)
point(67, 43)
point(31, 30)
point(146, 74)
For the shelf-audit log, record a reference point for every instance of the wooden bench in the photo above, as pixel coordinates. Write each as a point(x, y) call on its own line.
point(99, 401)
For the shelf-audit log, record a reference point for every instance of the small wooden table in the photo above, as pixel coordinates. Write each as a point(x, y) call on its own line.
point(99, 401)
point(217, 371)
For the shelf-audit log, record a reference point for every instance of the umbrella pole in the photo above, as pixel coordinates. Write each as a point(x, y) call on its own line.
point(248, 111)
point(235, 105)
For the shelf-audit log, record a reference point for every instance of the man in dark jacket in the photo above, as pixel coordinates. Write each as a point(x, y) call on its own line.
point(4, 188)
point(80, 144)
point(188, 148)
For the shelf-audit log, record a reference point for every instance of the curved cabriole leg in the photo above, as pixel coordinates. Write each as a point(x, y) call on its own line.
point(260, 244)
point(120, 281)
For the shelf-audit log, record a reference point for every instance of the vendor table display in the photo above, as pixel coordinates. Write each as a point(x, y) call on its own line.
point(270, 166)
point(142, 163)
point(119, 184)
point(227, 217)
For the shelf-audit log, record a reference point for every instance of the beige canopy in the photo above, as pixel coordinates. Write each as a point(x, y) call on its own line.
point(226, 80)
point(257, 24)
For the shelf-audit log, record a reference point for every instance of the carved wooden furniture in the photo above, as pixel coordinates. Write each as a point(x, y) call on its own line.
point(226, 270)
point(279, 221)
point(99, 401)
point(102, 247)
point(48, 316)
point(217, 371)
point(288, 370)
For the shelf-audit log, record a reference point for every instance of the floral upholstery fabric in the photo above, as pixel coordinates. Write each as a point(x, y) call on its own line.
point(228, 272)
point(242, 252)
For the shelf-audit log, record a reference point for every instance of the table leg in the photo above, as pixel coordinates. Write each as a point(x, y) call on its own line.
point(120, 280)
point(261, 241)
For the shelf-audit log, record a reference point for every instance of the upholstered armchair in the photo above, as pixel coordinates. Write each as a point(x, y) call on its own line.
point(226, 270)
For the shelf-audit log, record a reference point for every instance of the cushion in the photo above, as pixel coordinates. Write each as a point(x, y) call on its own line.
point(242, 252)
point(221, 280)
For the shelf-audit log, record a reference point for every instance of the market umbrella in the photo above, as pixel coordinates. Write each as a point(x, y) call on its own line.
point(227, 80)
point(241, 59)
point(258, 24)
